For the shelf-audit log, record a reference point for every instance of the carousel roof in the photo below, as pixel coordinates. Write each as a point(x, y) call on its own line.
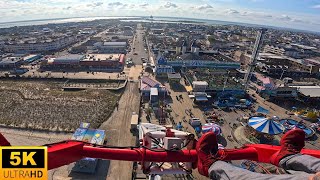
point(215, 128)
point(266, 125)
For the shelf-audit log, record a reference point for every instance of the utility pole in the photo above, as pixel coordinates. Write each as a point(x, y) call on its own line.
point(253, 58)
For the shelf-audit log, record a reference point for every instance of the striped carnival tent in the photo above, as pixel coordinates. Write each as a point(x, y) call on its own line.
point(265, 125)
point(211, 127)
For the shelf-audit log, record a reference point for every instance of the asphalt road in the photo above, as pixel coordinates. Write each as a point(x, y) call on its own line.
point(138, 47)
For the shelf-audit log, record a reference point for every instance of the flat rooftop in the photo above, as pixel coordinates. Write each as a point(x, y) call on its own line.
point(101, 57)
point(312, 91)
point(114, 43)
point(9, 60)
point(69, 57)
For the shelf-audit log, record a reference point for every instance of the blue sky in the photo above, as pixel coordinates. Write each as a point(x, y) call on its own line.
point(299, 14)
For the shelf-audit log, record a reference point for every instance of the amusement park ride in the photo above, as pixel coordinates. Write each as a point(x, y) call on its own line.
point(161, 150)
point(158, 145)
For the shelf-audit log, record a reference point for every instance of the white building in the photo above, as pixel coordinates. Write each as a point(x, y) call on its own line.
point(40, 46)
point(199, 86)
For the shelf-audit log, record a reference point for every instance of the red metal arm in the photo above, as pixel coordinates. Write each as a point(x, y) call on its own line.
point(64, 153)
point(3, 141)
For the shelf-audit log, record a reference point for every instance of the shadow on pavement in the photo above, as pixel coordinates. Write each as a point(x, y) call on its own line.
point(100, 173)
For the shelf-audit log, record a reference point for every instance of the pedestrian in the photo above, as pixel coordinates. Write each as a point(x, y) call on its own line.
point(180, 97)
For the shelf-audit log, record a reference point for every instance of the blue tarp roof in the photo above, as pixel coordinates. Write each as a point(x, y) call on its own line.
point(201, 98)
point(262, 110)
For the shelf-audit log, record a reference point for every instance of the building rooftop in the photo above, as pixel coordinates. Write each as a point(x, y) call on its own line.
point(200, 83)
point(30, 56)
point(154, 91)
point(305, 47)
point(265, 55)
point(114, 43)
point(191, 56)
point(313, 61)
point(102, 57)
point(270, 55)
point(70, 57)
point(9, 60)
point(312, 91)
point(174, 76)
point(264, 80)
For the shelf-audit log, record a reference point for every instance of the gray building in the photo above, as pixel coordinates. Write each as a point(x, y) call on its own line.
point(10, 62)
point(111, 47)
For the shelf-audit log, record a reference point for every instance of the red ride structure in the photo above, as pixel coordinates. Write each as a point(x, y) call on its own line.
point(66, 152)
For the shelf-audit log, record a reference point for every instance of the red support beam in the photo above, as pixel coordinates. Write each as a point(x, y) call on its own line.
point(140, 154)
point(264, 151)
point(64, 153)
point(70, 151)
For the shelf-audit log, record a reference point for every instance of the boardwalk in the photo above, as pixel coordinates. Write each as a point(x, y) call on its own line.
point(118, 130)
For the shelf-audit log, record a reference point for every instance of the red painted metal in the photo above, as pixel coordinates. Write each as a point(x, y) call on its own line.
point(140, 154)
point(264, 152)
point(3, 141)
point(64, 153)
point(70, 151)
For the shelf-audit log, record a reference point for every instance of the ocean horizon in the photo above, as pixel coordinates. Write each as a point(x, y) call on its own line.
point(162, 19)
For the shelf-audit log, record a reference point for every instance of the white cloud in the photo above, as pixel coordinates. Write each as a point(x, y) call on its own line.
point(285, 17)
point(15, 10)
point(144, 5)
point(170, 5)
point(298, 21)
point(67, 8)
point(255, 14)
point(316, 6)
point(232, 11)
point(204, 7)
point(95, 4)
point(113, 4)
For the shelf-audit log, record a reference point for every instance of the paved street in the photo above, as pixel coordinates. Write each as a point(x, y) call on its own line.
point(138, 47)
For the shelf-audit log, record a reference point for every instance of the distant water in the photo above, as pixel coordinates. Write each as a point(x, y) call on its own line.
point(217, 22)
point(137, 19)
point(54, 21)
point(194, 20)
point(126, 18)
